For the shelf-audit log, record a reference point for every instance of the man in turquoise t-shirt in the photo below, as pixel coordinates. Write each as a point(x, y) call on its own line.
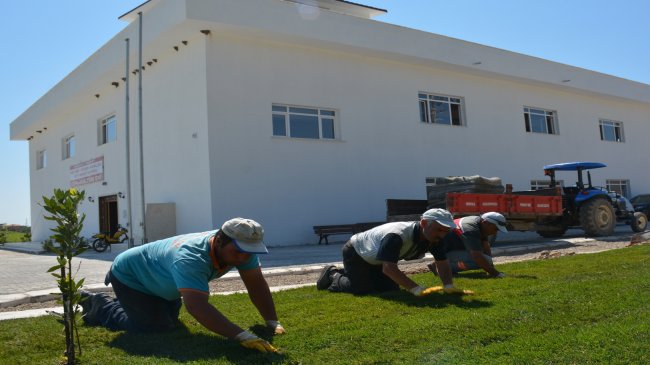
point(150, 280)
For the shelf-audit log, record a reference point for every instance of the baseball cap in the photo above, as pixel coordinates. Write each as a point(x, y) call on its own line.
point(441, 216)
point(497, 219)
point(247, 235)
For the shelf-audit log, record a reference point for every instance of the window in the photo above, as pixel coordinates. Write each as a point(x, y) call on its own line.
point(544, 184)
point(108, 130)
point(41, 159)
point(611, 131)
point(68, 147)
point(440, 109)
point(303, 122)
point(540, 121)
point(622, 187)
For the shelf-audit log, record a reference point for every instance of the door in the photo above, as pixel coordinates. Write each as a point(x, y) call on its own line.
point(108, 214)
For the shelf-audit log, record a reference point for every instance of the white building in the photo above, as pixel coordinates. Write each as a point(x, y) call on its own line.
point(298, 116)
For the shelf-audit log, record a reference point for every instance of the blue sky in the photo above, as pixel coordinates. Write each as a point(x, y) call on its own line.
point(44, 40)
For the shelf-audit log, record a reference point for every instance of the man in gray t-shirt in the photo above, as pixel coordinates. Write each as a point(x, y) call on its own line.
point(468, 245)
point(370, 258)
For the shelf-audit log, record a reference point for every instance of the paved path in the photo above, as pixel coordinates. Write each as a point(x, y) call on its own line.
point(24, 277)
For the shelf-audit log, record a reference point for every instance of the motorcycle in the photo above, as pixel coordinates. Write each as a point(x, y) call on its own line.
point(103, 240)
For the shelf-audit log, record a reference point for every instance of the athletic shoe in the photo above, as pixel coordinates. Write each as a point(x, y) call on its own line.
point(325, 278)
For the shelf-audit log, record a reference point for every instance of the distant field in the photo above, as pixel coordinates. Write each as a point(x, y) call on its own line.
point(13, 236)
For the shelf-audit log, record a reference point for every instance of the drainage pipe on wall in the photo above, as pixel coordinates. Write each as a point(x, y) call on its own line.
point(127, 112)
point(144, 227)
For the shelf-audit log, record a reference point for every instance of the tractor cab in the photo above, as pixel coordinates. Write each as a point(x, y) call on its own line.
point(580, 192)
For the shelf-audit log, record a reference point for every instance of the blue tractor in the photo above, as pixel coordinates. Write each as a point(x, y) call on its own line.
point(594, 209)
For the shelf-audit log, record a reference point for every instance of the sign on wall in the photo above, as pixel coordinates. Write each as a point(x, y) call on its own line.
point(87, 172)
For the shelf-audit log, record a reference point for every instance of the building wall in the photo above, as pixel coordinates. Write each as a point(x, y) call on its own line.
point(384, 151)
point(175, 135)
point(83, 121)
point(175, 146)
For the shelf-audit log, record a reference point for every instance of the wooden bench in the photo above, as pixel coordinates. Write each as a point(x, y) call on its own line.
point(325, 231)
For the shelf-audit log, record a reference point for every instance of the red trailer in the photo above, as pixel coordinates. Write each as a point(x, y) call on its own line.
point(525, 211)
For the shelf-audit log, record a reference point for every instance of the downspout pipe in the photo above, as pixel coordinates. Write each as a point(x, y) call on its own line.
point(127, 114)
point(143, 223)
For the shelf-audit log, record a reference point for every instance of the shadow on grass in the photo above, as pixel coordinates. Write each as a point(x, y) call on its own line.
point(435, 300)
point(182, 345)
point(481, 275)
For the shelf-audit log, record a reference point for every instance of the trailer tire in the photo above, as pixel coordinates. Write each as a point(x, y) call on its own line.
point(597, 217)
point(554, 231)
point(639, 222)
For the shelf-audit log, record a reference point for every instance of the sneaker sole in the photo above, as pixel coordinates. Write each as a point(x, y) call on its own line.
point(324, 280)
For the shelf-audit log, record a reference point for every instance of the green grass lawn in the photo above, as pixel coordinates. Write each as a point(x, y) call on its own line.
point(584, 309)
point(13, 236)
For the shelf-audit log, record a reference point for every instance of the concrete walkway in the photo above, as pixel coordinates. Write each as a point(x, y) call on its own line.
point(24, 277)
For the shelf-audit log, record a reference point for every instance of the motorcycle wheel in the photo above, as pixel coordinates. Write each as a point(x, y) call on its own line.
point(100, 245)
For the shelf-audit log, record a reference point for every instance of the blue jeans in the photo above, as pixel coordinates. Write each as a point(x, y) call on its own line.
point(460, 260)
point(135, 311)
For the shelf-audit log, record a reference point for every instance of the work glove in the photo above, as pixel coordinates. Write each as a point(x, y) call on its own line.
point(250, 341)
point(451, 289)
point(276, 327)
point(420, 291)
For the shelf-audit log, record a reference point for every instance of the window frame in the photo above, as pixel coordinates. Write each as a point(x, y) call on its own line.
point(623, 186)
point(68, 149)
point(553, 124)
point(327, 121)
point(617, 126)
point(103, 137)
point(425, 99)
point(41, 159)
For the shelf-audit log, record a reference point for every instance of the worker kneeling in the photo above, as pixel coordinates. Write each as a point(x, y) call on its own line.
point(468, 245)
point(150, 280)
point(370, 258)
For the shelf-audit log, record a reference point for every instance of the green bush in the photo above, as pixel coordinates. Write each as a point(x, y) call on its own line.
point(47, 245)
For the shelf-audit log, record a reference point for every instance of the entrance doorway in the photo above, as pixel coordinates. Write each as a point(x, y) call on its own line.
point(108, 217)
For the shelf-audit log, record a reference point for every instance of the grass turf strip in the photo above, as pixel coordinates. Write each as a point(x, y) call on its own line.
point(584, 309)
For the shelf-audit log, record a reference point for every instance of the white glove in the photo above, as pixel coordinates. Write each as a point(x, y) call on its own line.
point(276, 327)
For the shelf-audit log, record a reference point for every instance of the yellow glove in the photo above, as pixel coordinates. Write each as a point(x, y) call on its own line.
point(258, 345)
point(420, 291)
point(453, 290)
point(250, 341)
point(276, 327)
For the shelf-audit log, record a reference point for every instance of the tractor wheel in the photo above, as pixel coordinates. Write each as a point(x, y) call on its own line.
point(639, 222)
point(597, 217)
point(100, 245)
point(553, 231)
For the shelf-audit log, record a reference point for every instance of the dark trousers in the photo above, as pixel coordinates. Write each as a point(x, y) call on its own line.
point(360, 277)
point(136, 311)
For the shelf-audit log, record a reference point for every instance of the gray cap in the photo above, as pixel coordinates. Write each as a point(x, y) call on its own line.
point(497, 219)
point(246, 234)
point(441, 216)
